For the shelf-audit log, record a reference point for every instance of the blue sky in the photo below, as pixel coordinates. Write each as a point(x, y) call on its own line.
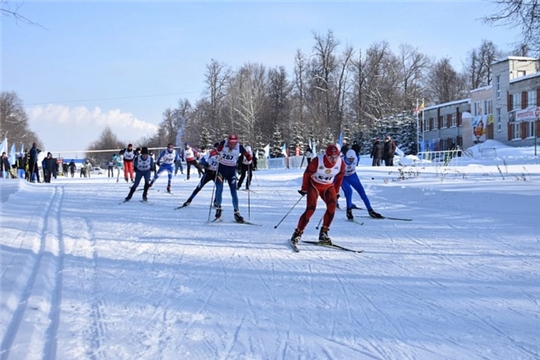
point(121, 64)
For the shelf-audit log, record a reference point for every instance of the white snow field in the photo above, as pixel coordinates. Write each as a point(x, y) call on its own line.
point(86, 278)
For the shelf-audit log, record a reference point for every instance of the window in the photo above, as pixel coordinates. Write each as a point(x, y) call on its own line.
point(477, 108)
point(521, 73)
point(488, 107)
point(531, 98)
point(516, 101)
point(530, 129)
point(498, 85)
point(453, 122)
point(499, 119)
point(516, 130)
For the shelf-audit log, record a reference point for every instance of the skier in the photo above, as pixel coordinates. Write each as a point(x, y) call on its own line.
point(352, 181)
point(228, 151)
point(128, 155)
point(191, 155)
point(246, 167)
point(322, 177)
point(142, 165)
point(210, 162)
point(169, 157)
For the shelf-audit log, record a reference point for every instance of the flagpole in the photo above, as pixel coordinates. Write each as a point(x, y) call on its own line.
point(423, 122)
point(417, 130)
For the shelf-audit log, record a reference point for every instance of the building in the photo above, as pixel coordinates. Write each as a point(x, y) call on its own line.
point(508, 110)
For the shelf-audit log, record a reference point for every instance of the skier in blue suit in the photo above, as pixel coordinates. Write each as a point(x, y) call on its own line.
point(168, 157)
point(352, 181)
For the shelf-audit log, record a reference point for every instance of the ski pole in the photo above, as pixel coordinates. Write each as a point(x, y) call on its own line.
point(319, 224)
point(213, 191)
point(296, 203)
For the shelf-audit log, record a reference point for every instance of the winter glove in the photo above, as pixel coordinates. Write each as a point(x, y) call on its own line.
point(302, 192)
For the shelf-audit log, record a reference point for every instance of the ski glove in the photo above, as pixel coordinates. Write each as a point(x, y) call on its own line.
point(302, 192)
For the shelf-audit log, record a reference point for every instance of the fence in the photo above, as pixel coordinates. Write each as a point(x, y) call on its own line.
point(440, 158)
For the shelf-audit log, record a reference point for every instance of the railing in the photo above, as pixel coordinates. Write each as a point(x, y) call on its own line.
point(440, 158)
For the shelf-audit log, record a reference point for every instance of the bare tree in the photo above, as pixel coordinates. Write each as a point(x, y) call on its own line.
point(14, 121)
point(445, 84)
point(9, 9)
point(249, 89)
point(478, 66)
point(524, 14)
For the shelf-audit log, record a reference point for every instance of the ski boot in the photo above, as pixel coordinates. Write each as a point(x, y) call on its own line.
point(237, 217)
point(350, 215)
point(323, 236)
point(169, 189)
point(186, 203)
point(218, 212)
point(296, 236)
point(374, 214)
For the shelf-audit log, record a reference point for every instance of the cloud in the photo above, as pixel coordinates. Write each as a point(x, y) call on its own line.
point(63, 128)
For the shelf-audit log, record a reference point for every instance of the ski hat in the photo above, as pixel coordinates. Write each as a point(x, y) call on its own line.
point(186, 144)
point(144, 150)
point(351, 154)
point(49, 154)
point(130, 145)
point(332, 150)
point(216, 145)
point(233, 139)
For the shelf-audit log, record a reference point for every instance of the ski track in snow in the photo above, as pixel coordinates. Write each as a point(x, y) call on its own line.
point(132, 281)
point(36, 317)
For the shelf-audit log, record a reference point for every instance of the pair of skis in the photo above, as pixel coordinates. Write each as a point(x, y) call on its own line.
point(317, 243)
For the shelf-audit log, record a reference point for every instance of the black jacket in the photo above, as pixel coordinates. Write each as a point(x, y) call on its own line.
point(377, 151)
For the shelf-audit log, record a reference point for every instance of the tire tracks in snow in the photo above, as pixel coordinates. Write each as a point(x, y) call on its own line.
point(32, 330)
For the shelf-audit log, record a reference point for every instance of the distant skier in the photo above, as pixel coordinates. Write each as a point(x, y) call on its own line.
point(352, 181)
point(128, 156)
point(142, 166)
point(191, 156)
point(167, 157)
point(246, 168)
point(210, 162)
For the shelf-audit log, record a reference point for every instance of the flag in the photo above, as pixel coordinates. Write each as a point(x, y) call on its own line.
point(267, 151)
point(12, 154)
point(419, 108)
point(3, 146)
point(340, 140)
point(284, 150)
point(22, 149)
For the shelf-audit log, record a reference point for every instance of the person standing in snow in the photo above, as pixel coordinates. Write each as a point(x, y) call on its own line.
point(246, 167)
point(322, 177)
point(210, 162)
point(72, 167)
point(167, 157)
point(128, 155)
point(228, 152)
point(5, 166)
point(377, 152)
point(352, 181)
point(388, 151)
point(142, 168)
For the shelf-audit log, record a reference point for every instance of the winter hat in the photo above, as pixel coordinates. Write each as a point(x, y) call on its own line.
point(144, 150)
point(351, 154)
point(233, 138)
point(130, 145)
point(332, 150)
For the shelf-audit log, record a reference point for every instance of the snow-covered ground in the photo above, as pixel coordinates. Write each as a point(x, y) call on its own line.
point(86, 278)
